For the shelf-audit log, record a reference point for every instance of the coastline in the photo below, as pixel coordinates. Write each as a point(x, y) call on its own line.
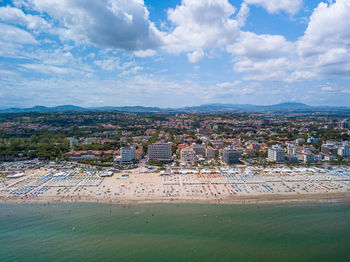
point(235, 200)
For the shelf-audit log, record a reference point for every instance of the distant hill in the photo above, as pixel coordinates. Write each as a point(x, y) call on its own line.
point(43, 109)
point(134, 109)
point(207, 108)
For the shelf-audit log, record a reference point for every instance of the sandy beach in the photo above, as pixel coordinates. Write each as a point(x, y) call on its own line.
point(226, 185)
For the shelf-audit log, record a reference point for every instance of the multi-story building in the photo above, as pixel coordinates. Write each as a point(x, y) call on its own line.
point(128, 155)
point(73, 142)
point(344, 150)
point(210, 153)
point(188, 155)
point(343, 124)
point(266, 122)
point(292, 149)
point(330, 148)
point(159, 151)
point(231, 156)
point(276, 153)
point(305, 156)
point(199, 149)
point(312, 140)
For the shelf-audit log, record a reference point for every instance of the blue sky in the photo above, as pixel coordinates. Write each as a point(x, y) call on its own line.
point(174, 53)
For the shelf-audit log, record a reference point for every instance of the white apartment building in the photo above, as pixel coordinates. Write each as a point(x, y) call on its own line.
point(73, 142)
point(344, 150)
point(276, 153)
point(159, 151)
point(128, 154)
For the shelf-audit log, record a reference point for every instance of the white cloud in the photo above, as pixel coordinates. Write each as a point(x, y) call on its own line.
point(195, 56)
point(198, 25)
point(131, 71)
point(106, 23)
point(11, 34)
point(145, 53)
point(229, 84)
point(108, 64)
point(49, 69)
point(260, 46)
point(113, 63)
point(197, 28)
point(326, 47)
point(328, 89)
point(275, 6)
point(16, 16)
point(242, 14)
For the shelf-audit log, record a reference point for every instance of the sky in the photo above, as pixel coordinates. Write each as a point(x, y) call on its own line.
point(174, 53)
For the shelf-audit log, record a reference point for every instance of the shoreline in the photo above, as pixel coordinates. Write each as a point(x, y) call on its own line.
point(236, 200)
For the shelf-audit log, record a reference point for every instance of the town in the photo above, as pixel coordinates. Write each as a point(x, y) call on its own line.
point(125, 155)
point(122, 140)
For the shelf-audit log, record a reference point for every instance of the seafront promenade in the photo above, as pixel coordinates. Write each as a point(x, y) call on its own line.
point(203, 185)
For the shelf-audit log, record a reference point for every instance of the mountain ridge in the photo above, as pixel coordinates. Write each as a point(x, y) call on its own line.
point(214, 107)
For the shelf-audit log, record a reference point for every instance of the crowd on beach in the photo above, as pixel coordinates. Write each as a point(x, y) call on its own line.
point(196, 184)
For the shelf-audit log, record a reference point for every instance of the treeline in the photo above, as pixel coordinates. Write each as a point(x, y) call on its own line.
point(44, 146)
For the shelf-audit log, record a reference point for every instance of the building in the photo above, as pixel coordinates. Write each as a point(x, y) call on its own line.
point(305, 156)
point(218, 144)
point(73, 142)
point(199, 149)
point(344, 150)
point(311, 140)
point(300, 141)
point(343, 124)
point(330, 148)
point(231, 156)
point(188, 155)
point(276, 153)
point(293, 149)
point(329, 158)
point(128, 155)
point(210, 153)
point(254, 147)
point(159, 151)
point(91, 154)
point(266, 122)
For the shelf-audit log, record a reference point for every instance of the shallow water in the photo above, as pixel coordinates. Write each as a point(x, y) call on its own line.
point(174, 232)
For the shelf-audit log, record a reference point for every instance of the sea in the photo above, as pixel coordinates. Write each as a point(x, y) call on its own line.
point(175, 232)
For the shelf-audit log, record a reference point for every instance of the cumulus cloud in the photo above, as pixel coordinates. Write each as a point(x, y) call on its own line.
point(16, 16)
point(275, 6)
point(242, 14)
point(323, 51)
point(260, 46)
point(195, 56)
point(195, 28)
point(198, 25)
point(323, 45)
point(12, 34)
point(107, 23)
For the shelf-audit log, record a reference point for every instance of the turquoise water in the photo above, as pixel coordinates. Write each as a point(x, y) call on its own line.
point(174, 232)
